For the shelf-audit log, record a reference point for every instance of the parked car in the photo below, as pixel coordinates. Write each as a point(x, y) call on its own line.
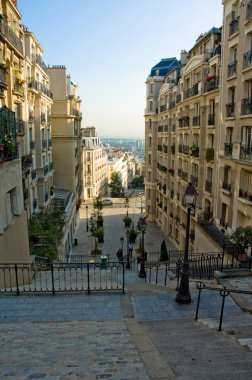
point(107, 202)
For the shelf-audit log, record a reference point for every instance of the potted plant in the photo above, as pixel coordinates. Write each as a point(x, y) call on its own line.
point(127, 221)
point(133, 235)
point(99, 234)
point(209, 154)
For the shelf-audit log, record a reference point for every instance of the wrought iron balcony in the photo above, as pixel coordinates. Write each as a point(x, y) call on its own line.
point(38, 59)
point(231, 69)
point(226, 186)
point(163, 108)
point(194, 180)
point(40, 87)
point(3, 81)
point(234, 26)
point(44, 144)
point(211, 119)
point(208, 185)
point(184, 122)
point(191, 92)
point(244, 194)
point(246, 106)
point(172, 104)
point(194, 150)
point(11, 36)
point(184, 176)
point(247, 59)
point(33, 174)
point(196, 121)
point(180, 148)
point(246, 152)
point(212, 83)
point(20, 125)
point(178, 98)
point(230, 109)
point(228, 149)
point(186, 149)
point(8, 146)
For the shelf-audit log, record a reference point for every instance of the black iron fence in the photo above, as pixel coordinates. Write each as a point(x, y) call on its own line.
point(44, 278)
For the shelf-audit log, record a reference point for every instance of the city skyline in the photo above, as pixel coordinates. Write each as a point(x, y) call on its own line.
point(117, 43)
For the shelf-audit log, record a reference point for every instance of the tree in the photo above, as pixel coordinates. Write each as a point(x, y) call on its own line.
point(138, 181)
point(117, 190)
point(163, 252)
point(242, 237)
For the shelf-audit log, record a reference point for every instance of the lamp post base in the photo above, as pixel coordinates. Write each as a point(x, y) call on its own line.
point(142, 272)
point(184, 296)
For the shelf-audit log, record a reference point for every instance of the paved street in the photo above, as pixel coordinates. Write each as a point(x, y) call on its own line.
point(140, 335)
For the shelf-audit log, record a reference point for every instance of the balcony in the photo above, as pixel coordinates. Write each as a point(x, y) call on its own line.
point(44, 145)
point(196, 121)
point(245, 152)
point(18, 86)
point(165, 147)
point(33, 174)
point(11, 36)
point(38, 59)
point(163, 108)
point(178, 98)
point(211, 119)
point(20, 127)
point(194, 180)
point(171, 171)
point(246, 106)
point(40, 87)
point(193, 91)
point(249, 11)
point(247, 59)
point(26, 162)
point(228, 149)
point(226, 186)
point(212, 83)
point(172, 105)
point(32, 145)
point(194, 150)
point(184, 122)
point(184, 176)
point(234, 26)
point(3, 81)
point(230, 109)
point(162, 168)
point(8, 146)
point(231, 69)
point(160, 128)
point(208, 186)
point(46, 170)
point(245, 195)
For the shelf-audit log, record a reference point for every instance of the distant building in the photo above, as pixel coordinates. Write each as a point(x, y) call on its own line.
point(118, 163)
point(95, 173)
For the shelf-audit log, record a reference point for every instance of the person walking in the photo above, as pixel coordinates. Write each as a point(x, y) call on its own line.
point(119, 255)
point(130, 249)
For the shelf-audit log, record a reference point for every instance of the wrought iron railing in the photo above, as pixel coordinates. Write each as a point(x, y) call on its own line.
point(11, 36)
point(244, 194)
point(245, 152)
point(196, 121)
point(211, 84)
point(230, 109)
point(233, 26)
point(43, 278)
point(211, 119)
point(3, 81)
point(232, 69)
point(247, 59)
point(226, 186)
point(228, 149)
point(246, 106)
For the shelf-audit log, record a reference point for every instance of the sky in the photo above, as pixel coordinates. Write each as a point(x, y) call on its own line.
point(109, 47)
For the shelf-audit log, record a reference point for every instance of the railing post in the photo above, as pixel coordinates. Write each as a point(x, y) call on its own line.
point(88, 279)
point(223, 294)
point(53, 289)
point(157, 274)
point(166, 268)
point(123, 288)
point(222, 259)
point(16, 274)
point(200, 287)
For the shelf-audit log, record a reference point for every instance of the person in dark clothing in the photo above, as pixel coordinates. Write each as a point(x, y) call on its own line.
point(119, 255)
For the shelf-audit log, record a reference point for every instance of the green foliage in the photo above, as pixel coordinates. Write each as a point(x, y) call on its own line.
point(99, 234)
point(242, 236)
point(138, 181)
point(209, 154)
point(46, 232)
point(163, 252)
point(117, 190)
point(127, 221)
point(133, 234)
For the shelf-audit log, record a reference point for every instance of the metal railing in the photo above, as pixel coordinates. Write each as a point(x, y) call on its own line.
point(246, 152)
point(231, 69)
point(244, 194)
point(247, 59)
point(11, 36)
point(246, 106)
point(228, 149)
point(211, 119)
point(44, 278)
point(196, 121)
point(234, 26)
point(3, 80)
point(211, 84)
point(224, 292)
point(230, 109)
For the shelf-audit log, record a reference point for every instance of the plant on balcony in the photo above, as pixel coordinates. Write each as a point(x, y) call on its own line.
point(163, 252)
point(127, 221)
point(7, 147)
point(209, 154)
point(242, 237)
point(210, 77)
point(194, 150)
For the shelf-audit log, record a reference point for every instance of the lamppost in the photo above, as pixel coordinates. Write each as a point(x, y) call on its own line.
point(128, 261)
point(122, 241)
point(142, 227)
point(141, 204)
point(87, 217)
point(184, 295)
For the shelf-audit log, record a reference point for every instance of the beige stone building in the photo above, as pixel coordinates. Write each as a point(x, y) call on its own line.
point(95, 166)
point(14, 245)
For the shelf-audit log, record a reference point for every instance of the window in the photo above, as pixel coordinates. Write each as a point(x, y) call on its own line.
point(150, 140)
point(210, 141)
point(229, 135)
point(196, 109)
point(247, 136)
point(149, 158)
point(151, 106)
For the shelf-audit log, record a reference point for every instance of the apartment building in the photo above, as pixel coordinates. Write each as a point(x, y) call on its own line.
point(234, 207)
point(117, 162)
point(95, 167)
point(181, 142)
point(14, 245)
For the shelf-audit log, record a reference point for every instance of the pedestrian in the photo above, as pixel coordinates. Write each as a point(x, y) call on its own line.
point(119, 255)
point(130, 249)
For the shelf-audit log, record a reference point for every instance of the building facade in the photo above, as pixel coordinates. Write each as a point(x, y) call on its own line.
point(95, 167)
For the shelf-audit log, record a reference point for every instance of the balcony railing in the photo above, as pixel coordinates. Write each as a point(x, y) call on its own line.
point(162, 168)
point(212, 83)
point(228, 149)
point(247, 59)
point(249, 10)
point(208, 186)
point(44, 144)
point(186, 149)
point(231, 69)
point(3, 81)
point(194, 180)
point(234, 26)
point(191, 92)
point(245, 152)
point(172, 104)
point(40, 87)
point(194, 150)
point(180, 148)
point(196, 121)
point(38, 59)
point(226, 186)
point(160, 148)
point(211, 119)
point(33, 174)
point(46, 170)
point(178, 98)
point(165, 147)
point(230, 109)
point(246, 106)
point(245, 195)
point(184, 122)
point(32, 145)
point(163, 108)
point(11, 36)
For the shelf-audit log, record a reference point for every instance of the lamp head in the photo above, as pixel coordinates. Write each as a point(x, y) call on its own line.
point(190, 195)
point(121, 239)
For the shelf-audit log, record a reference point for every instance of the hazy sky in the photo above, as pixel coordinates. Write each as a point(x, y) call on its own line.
point(109, 47)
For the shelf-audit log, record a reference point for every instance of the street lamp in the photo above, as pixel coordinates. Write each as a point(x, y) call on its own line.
point(142, 225)
point(141, 204)
point(122, 241)
point(184, 295)
point(128, 262)
point(87, 217)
